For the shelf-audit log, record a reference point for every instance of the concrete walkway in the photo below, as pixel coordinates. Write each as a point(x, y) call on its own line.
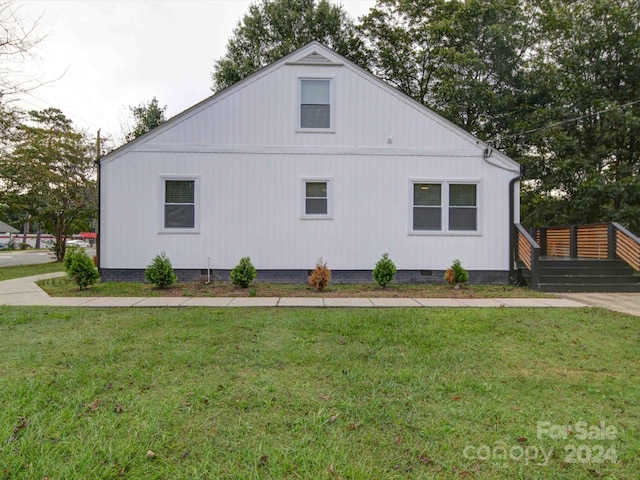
point(618, 302)
point(24, 291)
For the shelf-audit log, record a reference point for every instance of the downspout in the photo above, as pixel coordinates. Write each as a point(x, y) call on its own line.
point(513, 277)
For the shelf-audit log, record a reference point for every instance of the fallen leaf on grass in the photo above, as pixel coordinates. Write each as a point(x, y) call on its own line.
point(353, 426)
point(331, 470)
point(92, 407)
point(22, 424)
point(118, 409)
point(456, 399)
point(515, 408)
point(324, 397)
point(263, 460)
point(150, 454)
point(334, 417)
point(397, 441)
point(522, 439)
point(424, 459)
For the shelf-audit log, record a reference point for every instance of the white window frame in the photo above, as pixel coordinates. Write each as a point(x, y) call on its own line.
point(196, 199)
point(332, 117)
point(444, 206)
point(303, 197)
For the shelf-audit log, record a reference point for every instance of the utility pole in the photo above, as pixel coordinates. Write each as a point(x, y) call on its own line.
point(98, 146)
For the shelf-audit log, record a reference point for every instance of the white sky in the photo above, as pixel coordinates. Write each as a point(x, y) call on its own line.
point(103, 56)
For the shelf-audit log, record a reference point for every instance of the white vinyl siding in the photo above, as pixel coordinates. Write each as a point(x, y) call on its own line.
point(444, 207)
point(179, 204)
point(315, 104)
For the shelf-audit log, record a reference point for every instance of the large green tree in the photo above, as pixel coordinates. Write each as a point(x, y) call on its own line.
point(146, 116)
point(50, 174)
point(585, 165)
point(273, 28)
point(465, 60)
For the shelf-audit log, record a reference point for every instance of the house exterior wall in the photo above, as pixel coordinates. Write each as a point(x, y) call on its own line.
point(249, 161)
point(251, 204)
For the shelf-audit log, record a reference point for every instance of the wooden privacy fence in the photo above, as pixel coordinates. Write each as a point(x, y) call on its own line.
point(599, 241)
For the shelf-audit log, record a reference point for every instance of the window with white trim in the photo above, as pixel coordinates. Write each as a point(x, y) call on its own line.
point(463, 207)
point(315, 103)
point(444, 207)
point(179, 204)
point(315, 198)
point(427, 206)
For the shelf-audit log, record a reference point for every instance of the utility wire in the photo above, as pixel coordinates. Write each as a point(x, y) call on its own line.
point(571, 120)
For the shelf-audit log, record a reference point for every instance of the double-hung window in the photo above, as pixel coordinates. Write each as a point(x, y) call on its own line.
point(444, 207)
point(463, 207)
point(316, 198)
point(427, 206)
point(179, 203)
point(315, 104)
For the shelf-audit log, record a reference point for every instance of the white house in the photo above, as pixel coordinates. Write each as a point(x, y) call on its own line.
point(311, 157)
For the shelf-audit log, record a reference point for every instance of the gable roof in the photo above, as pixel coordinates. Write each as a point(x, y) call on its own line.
point(6, 228)
point(315, 53)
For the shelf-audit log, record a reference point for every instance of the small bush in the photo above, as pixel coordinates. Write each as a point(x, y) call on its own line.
point(321, 276)
point(456, 275)
point(244, 273)
point(385, 271)
point(160, 271)
point(69, 255)
point(24, 246)
point(82, 270)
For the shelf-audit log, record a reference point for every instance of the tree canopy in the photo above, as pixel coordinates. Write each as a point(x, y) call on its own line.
point(146, 116)
point(273, 28)
point(50, 174)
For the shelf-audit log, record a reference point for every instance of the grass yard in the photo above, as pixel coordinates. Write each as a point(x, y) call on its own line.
point(318, 394)
point(19, 271)
point(64, 287)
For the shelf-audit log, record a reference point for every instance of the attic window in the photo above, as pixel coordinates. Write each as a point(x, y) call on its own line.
point(315, 103)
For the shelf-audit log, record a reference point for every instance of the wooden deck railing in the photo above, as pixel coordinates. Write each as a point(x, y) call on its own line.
point(528, 252)
point(599, 241)
point(627, 246)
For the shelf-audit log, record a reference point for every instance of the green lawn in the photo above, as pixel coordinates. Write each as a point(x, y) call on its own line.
point(317, 393)
point(19, 271)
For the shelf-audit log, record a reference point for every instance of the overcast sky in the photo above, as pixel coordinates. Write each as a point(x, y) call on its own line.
point(101, 57)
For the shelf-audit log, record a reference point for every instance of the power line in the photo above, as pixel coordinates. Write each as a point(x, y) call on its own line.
point(571, 120)
point(70, 114)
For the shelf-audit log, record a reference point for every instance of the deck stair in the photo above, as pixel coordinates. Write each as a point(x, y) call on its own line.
point(584, 275)
point(586, 258)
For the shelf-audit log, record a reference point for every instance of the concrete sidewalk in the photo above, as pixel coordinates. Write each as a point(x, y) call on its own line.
point(24, 291)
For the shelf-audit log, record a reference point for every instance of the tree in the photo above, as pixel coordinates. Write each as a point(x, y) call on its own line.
point(273, 28)
point(17, 41)
point(462, 59)
point(147, 116)
point(585, 166)
point(50, 173)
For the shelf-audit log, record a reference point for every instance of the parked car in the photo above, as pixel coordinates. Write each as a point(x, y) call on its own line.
point(78, 243)
point(3, 246)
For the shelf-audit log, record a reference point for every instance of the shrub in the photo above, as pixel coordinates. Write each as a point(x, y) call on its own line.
point(82, 270)
point(385, 271)
point(24, 246)
point(321, 276)
point(160, 271)
point(69, 255)
point(244, 273)
point(456, 275)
